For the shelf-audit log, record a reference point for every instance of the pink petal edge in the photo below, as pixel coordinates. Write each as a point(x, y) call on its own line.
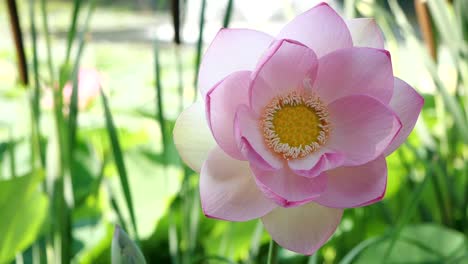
point(230, 51)
point(221, 105)
point(355, 186)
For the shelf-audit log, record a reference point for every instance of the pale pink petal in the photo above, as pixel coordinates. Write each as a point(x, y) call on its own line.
point(231, 50)
point(355, 71)
point(407, 104)
point(284, 69)
point(288, 189)
point(365, 33)
point(221, 105)
point(250, 140)
point(315, 163)
point(320, 28)
point(228, 190)
point(192, 136)
point(362, 128)
point(302, 229)
point(355, 186)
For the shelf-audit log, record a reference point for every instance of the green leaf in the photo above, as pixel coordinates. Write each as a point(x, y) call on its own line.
point(119, 160)
point(124, 249)
point(422, 243)
point(23, 210)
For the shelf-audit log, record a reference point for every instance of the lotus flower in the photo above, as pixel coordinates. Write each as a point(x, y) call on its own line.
point(89, 83)
point(296, 128)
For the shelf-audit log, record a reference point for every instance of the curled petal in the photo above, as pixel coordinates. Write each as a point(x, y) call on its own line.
point(302, 229)
point(285, 68)
point(251, 142)
point(288, 189)
point(192, 136)
point(362, 128)
point(228, 190)
point(355, 71)
point(316, 163)
point(320, 28)
point(355, 186)
point(407, 104)
point(365, 33)
point(232, 50)
point(221, 105)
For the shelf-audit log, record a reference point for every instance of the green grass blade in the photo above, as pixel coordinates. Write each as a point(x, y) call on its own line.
point(35, 96)
point(72, 30)
point(119, 161)
point(73, 115)
point(11, 152)
point(199, 42)
point(228, 13)
point(180, 77)
point(45, 25)
point(175, 12)
point(160, 100)
point(116, 208)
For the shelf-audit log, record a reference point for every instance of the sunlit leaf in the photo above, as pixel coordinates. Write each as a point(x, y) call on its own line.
point(23, 209)
point(425, 243)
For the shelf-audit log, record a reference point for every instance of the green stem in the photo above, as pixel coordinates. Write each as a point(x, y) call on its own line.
point(11, 152)
point(272, 252)
point(228, 14)
point(48, 42)
point(199, 43)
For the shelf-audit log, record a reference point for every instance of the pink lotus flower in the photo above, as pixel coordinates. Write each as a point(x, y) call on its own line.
point(296, 128)
point(89, 83)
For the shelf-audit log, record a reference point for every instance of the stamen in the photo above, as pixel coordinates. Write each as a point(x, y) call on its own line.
point(295, 125)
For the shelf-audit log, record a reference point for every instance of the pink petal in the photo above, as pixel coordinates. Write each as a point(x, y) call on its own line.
point(192, 136)
point(316, 163)
point(251, 142)
point(228, 190)
point(221, 105)
point(302, 229)
point(232, 50)
point(407, 104)
point(365, 33)
point(284, 69)
point(355, 71)
point(362, 128)
point(288, 189)
point(355, 186)
point(320, 28)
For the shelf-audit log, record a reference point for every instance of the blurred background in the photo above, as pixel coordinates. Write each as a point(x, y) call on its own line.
point(75, 162)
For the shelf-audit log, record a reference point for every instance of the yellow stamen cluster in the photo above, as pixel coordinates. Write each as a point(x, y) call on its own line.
point(295, 125)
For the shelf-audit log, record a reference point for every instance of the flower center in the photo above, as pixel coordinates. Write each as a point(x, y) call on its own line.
point(295, 125)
